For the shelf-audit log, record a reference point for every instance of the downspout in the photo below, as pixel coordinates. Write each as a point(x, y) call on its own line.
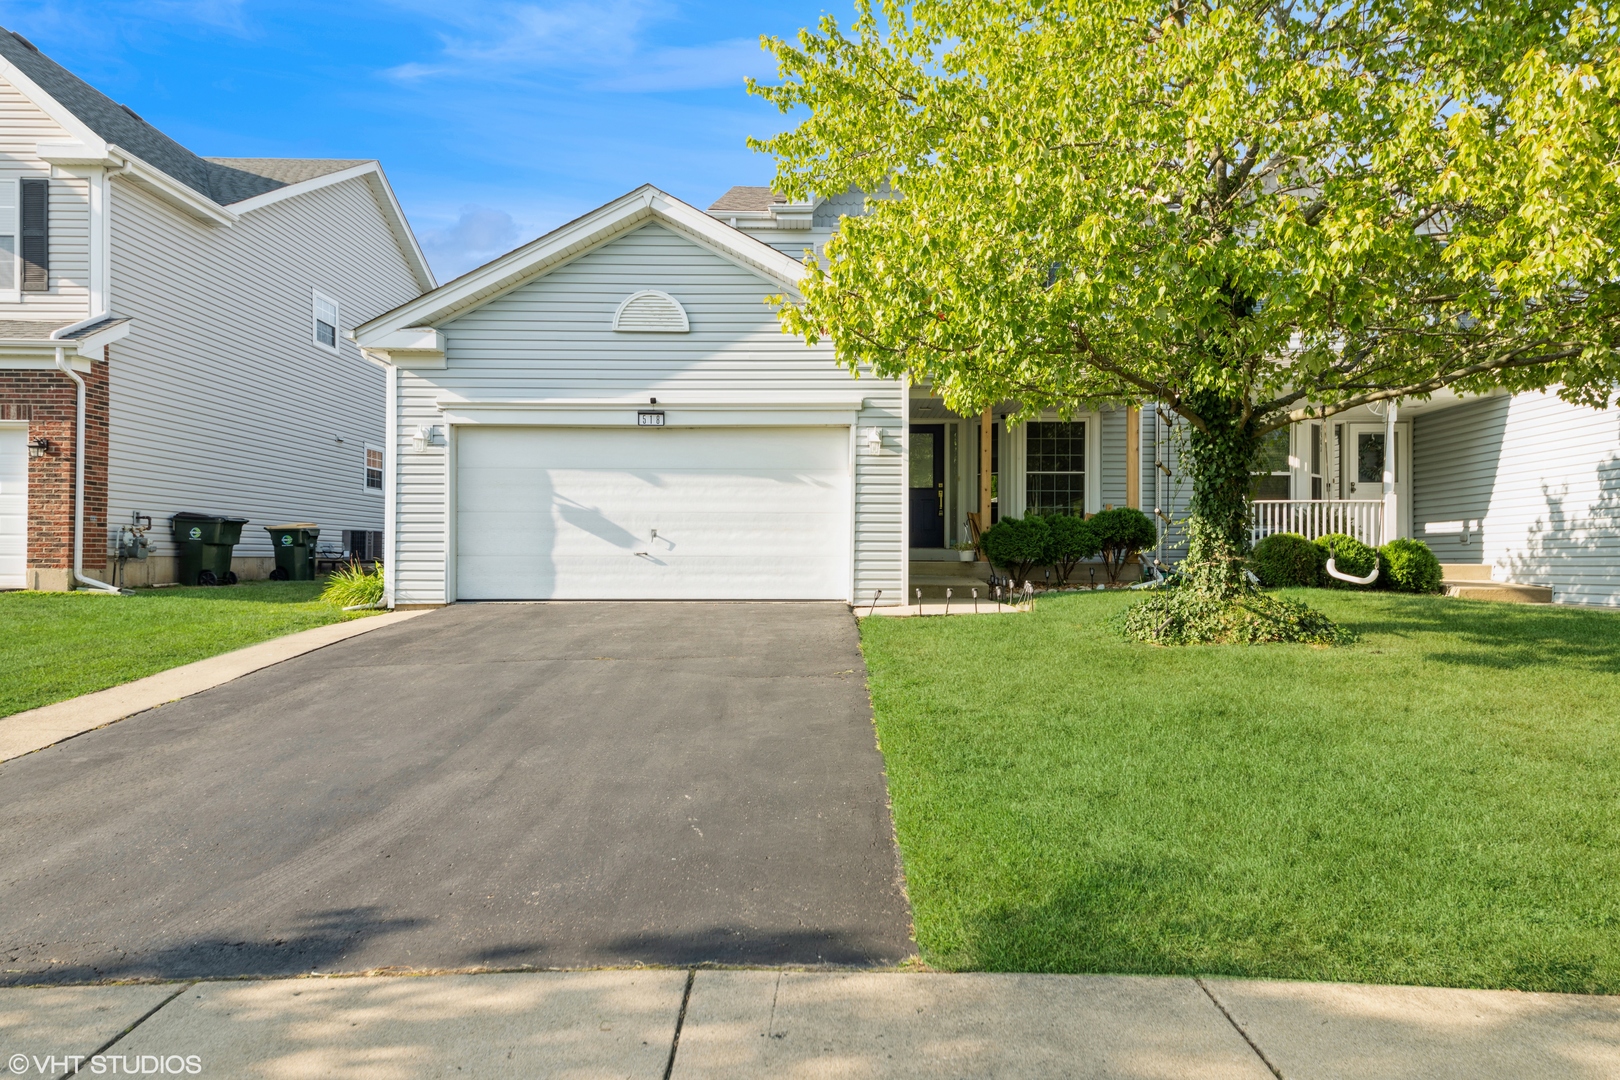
point(66, 368)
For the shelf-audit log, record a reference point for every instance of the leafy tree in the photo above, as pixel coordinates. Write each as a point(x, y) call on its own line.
point(1072, 539)
point(1250, 213)
point(1121, 533)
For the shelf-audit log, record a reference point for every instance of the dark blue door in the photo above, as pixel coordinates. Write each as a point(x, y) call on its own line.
point(927, 472)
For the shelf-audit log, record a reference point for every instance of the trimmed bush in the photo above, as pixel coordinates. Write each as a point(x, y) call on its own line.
point(1409, 566)
point(1018, 545)
point(1349, 555)
point(1121, 533)
point(1073, 539)
point(1285, 559)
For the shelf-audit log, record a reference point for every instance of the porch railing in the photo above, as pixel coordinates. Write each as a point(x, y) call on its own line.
point(1360, 518)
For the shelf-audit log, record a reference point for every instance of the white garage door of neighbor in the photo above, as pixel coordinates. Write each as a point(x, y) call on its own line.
point(652, 514)
point(13, 508)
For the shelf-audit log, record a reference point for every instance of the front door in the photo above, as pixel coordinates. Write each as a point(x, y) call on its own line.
point(928, 485)
point(1363, 463)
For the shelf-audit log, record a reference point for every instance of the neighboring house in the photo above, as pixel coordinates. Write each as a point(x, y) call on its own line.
point(204, 304)
point(612, 411)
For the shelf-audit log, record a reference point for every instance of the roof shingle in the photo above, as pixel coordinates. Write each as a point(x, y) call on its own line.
point(743, 197)
point(224, 180)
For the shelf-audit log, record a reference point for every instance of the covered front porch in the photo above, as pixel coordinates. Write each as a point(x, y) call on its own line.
point(965, 473)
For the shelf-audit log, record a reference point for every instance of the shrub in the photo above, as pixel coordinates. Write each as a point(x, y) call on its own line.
point(1409, 566)
point(1284, 559)
point(1121, 533)
point(1072, 539)
point(1349, 555)
point(354, 584)
point(1018, 545)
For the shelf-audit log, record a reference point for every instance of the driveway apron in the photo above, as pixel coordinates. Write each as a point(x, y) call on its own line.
point(490, 786)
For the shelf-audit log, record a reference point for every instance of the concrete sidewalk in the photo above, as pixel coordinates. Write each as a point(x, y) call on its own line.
point(718, 1023)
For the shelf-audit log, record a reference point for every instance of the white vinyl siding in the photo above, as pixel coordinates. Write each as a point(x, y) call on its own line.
point(22, 126)
point(553, 338)
point(1543, 479)
point(219, 404)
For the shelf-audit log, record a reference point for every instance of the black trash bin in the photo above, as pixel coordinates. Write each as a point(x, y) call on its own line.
point(205, 542)
point(295, 551)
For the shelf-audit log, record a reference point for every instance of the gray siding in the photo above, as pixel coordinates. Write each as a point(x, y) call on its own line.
point(1541, 475)
point(553, 338)
point(1111, 449)
point(221, 401)
point(1161, 442)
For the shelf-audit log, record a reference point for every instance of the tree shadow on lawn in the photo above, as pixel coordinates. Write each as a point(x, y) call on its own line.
point(1133, 917)
point(1493, 635)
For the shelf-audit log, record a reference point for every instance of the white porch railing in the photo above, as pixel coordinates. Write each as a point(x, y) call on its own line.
point(1360, 518)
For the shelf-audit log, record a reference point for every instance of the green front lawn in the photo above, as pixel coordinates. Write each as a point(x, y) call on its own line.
point(54, 646)
point(1438, 804)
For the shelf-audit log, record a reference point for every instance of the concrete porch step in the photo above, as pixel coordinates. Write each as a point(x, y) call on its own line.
point(1465, 572)
point(1501, 591)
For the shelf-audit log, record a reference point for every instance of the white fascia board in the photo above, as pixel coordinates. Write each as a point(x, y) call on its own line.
point(413, 347)
point(563, 244)
point(72, 153)
point(36, 356)
point(373, 173)
point(77, 130)
point(91, 344)
point(167, 188)
point(820, 410)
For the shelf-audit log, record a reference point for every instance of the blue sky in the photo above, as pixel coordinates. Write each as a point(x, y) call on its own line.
point(496, 121)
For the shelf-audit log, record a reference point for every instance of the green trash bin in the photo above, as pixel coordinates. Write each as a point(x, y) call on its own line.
point(295, 550)
point(205, 542)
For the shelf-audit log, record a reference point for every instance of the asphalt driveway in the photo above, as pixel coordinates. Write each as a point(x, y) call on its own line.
point(547, 785)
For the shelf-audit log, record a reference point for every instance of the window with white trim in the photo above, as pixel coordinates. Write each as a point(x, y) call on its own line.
point(1272, 478)
point(326, 321)
point(1055, 467)
point(8, 240)
point(374, 468)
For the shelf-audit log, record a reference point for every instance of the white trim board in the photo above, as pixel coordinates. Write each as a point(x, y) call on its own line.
point(563, 245)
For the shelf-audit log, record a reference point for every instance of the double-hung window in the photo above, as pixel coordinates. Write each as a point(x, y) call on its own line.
point(374, 468)
point(326, 321)
point(25, 236)
point(1055, 467)
point(1271, 477)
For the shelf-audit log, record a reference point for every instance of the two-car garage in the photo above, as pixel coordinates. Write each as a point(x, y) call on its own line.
point(702, 513)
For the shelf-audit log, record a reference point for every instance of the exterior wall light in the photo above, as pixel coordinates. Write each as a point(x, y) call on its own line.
point(874, 439)
point(38, 447)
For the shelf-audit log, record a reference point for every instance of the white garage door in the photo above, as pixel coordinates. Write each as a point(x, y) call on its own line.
point(13, 507)
point(652, 514)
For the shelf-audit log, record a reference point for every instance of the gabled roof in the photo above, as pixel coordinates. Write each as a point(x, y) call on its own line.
point(102, 131)
point(743, 197)
point(624, 214)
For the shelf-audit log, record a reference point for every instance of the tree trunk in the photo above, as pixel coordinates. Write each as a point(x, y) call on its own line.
point(1219, 460)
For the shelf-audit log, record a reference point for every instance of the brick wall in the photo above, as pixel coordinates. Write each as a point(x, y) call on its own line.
point(46, 399)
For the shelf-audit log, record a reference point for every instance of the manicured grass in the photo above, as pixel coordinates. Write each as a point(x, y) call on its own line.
point(1438, 804)
point(55, 646)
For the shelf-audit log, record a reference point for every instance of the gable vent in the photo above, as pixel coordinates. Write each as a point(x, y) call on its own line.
point(651, 312)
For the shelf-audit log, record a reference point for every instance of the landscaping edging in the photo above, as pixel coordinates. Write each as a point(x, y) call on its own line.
point(24, 732)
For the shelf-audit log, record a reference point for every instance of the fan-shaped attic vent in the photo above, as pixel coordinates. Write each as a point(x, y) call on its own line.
point(651, 312)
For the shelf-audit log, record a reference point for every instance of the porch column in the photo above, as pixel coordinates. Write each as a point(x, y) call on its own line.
point(1392, 519)
point(1133, 457)
point(986, 423)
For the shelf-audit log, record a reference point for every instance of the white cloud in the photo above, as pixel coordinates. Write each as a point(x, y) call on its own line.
point(605, 44)
point(480, 234)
